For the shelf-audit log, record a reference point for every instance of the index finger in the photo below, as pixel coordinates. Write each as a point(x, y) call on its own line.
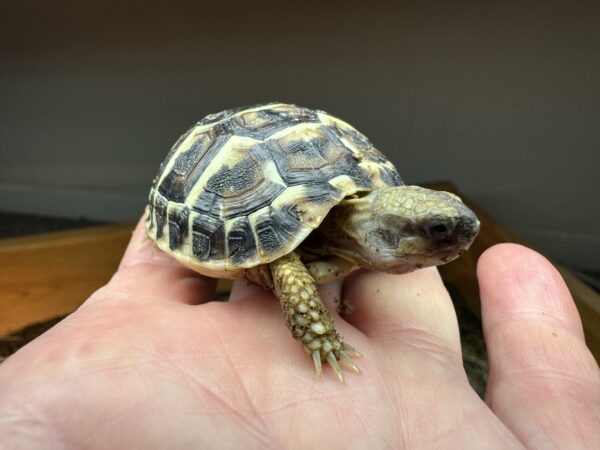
point(414, 308)
point(142, 250)
point(544, 383)
point(145, 269)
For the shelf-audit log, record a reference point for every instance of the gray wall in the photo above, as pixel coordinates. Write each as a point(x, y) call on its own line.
point(503, 99)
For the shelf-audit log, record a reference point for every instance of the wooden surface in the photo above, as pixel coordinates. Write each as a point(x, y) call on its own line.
point(49, 275)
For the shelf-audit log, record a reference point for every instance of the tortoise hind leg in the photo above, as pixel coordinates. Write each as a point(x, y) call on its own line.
point(306, 316)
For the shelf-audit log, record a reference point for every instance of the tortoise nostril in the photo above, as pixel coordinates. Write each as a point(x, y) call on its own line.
point(438, 229)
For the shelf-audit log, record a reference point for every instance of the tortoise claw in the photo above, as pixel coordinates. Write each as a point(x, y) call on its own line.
point(316, 356)
point(349, 349)
point(345, 358)
point(335, 366)
point(319, 357)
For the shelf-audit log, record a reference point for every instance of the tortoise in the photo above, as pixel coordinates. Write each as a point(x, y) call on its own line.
point(288, 198)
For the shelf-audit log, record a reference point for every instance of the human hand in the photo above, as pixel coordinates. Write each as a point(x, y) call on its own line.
point(148, 362)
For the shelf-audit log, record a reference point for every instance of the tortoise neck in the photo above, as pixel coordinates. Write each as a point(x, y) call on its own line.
point(342, 231)
point(368, 230)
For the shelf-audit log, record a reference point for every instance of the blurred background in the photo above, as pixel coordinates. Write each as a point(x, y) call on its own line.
point(501, 98)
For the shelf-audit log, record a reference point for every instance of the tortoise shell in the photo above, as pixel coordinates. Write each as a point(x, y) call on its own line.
point(246, 186)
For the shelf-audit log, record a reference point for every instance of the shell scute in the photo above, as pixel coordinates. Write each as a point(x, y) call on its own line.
point(220, 116)
point(160, 214)
point(359, 140)
point(309, 156)
point(241, 244)
point(262, 123)
point(274, 228)
point(174, 183)
point(180, 177)
point(178, 225)
point(234, 181)
point(208, 238)
point(389, 176)
point(241, 185)
point(246, 186)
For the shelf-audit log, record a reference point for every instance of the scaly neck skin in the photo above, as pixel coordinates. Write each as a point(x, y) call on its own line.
point(397, 229)
point(340, 233)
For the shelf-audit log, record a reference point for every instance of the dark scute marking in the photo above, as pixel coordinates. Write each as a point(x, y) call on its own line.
point(200, 246)
point(224, 128)
point(178, 226)
point(335, 149)
point(173, 185)
point(361, 178)
point(265, 122)
point(275, 228)
point(292, 211)
point(250, 201)
point(231, 182)
point(227, 208)
point(323, 193)
point(313, 160)
point(175, 147)
point(214, 144)
point(358, 139)
point(267, 236)
point(208, 238)
point(390, 176)
point(160, 214)
point(361, 142)
point(217, 243)
point(186, 160)
point(285, 226)
point(206, 203)
point(241, 245)
point(375, 155)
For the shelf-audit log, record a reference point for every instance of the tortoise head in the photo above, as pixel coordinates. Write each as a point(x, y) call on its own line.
point(401, 229)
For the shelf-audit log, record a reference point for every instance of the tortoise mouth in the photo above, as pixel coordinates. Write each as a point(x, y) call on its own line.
point(416, 252)
point(416, 262)
point(391, 250)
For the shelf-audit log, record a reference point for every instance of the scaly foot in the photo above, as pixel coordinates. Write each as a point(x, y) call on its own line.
point(306, 316)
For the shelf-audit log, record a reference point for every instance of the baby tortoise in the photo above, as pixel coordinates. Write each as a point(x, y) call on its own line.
point(288, 198)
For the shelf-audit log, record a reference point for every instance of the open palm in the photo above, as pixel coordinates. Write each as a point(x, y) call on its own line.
point(148, 362)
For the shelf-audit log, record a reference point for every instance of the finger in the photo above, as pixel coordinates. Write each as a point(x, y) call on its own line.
point(242, 289)
point(544, 384)
point(257, 305)
point(329, 293)
point(142, 250)
point(151, 273)
point(248, 294)
point(412, 309)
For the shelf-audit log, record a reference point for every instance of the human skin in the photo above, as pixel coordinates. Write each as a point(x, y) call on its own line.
point(148, 362)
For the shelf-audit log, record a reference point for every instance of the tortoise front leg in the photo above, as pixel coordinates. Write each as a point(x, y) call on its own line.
point(306, 316)
point(331, 268)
